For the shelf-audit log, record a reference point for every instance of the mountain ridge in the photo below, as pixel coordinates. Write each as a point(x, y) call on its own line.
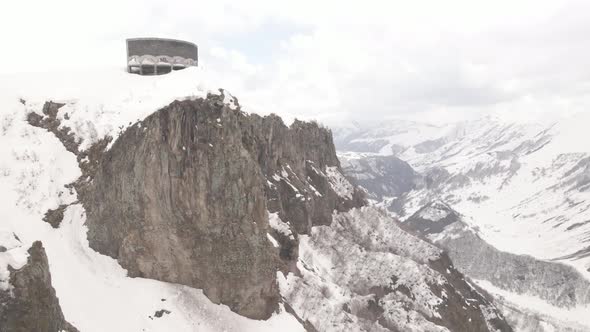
point(313, 211)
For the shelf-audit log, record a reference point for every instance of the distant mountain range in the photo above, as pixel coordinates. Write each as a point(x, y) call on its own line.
point(488, 191)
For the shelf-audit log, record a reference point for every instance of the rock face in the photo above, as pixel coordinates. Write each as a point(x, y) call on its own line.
point(302, 168)
point(31, 304)
point(178, 198)
point(204, 195)
point(183, 197)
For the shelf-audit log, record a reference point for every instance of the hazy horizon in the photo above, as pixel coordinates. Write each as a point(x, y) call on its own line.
point(332, 61)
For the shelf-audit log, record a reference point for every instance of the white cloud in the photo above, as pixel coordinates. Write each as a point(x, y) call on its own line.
point(336, 59)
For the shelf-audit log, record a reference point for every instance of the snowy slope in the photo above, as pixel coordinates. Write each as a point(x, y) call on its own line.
point(363, 273)
point(525, 184)
point(535, 295)
point(94, 292)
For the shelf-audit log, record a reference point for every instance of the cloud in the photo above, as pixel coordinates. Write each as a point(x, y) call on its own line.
point(335, 60)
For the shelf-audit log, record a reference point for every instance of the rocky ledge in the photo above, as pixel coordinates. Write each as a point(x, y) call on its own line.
point(31, 304)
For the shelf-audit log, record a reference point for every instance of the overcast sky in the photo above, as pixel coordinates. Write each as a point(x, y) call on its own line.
point(336, 60)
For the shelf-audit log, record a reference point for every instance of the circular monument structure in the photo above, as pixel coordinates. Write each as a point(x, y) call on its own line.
point(157, 56)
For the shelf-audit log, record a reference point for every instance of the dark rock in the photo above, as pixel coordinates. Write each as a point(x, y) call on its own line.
point(49, 121)
point(183, 198)
point(294, 160)
point(162, 312)
point(466, 306)
point(54, 217)
point(32, 304)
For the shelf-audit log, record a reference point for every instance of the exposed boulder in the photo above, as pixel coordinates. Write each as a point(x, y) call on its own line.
point(31, 304)
point(55, 216)
point(304, 177)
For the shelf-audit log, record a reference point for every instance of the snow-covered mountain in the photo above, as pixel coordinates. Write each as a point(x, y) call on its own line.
point(520, 187)
point(136, 203)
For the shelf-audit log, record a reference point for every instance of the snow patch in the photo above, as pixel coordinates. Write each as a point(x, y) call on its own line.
point(272, 240)
point(339, 183)
point(100, 104)
point(13, 254)
point(278, 225)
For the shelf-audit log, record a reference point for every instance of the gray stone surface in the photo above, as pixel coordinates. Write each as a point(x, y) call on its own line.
point(32, 304)
point(54, 217)
point(179, 199)
point(182, 197)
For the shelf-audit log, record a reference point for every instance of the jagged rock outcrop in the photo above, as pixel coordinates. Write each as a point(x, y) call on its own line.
point(55, 216)
point(48, 120)
point(31, 304)
point(179, 198)
point(183, 196)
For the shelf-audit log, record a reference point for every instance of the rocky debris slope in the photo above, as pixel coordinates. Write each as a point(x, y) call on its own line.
point(30, 302)
point(303, 173)
point(364, 273)
point(557, 284)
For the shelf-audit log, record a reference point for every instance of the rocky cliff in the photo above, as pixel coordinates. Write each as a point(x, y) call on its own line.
point(202, 194)
point(183, 195)
point(31, 303)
